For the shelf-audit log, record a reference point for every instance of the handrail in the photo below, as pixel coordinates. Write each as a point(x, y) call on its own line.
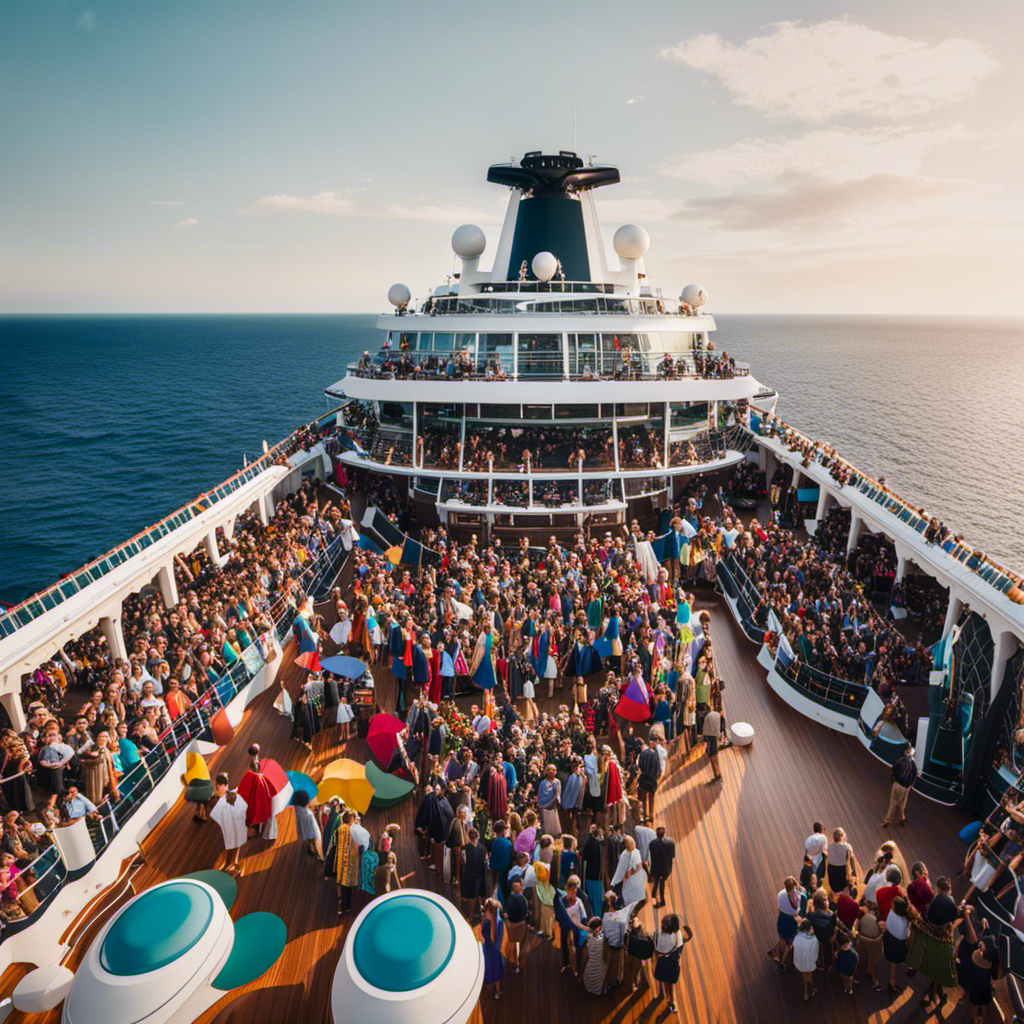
point(892, 502)
point(440, 376)
point(154, 764)
point(14, 618)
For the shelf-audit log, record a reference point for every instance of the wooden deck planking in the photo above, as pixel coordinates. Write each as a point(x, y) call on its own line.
point(735, 843)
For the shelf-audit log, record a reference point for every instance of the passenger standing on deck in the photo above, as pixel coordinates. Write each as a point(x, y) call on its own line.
point(660, 854)
point(228, 809)
point(904, 775)
point(712, 733)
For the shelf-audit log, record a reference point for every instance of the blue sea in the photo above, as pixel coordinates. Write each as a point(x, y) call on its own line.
point(111, 422)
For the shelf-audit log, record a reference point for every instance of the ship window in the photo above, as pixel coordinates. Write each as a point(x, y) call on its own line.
point(496, 347)
point(396, 414)
point(582, 354)
point(499, 412)
point(406, 340)
point(540, 356)
point(576, 412)
point(535, 412)
point(444, 342)
point(688, 414)
point(631, 409)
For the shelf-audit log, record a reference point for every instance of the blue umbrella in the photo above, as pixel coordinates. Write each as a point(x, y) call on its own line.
point(301, 781)
point(343, 665)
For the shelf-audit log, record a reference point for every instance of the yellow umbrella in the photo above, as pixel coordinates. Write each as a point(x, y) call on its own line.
point(346, 779)
point(195, 767)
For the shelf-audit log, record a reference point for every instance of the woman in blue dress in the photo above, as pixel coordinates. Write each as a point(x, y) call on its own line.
point(492, 931)
point(482, 669)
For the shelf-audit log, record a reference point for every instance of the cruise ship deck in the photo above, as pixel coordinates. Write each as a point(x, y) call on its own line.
point(735, 843)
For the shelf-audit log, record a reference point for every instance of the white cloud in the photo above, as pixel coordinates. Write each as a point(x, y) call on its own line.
point(165, 202)
point(87, 20)
point(816, 72)
point(188, 222)
point(834, 153)
point(332, 204)
point(336, 204)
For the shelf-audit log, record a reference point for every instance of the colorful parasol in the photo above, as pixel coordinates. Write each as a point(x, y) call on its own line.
point(266, 792)
point(380, 737)
point(346, 779)
point(309, 660)
point(343, 665)
point(302, 783)
point(634, 703)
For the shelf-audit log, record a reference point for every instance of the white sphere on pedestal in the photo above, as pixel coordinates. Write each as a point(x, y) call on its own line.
point(468, 242)
point(399, 295)
point(693, 295)
point(631, 242)
point(544, 266)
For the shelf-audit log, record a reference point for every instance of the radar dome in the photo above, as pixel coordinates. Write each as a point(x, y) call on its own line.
point(399, 295)
point(468, 241)
point(693, 295)
point(544, 266)
point(631, 241)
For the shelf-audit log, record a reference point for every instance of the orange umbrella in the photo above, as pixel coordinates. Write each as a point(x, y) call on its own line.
point(346, 779)
point(309, 660)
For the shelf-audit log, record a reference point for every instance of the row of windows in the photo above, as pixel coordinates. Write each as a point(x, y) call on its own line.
point(681, 414)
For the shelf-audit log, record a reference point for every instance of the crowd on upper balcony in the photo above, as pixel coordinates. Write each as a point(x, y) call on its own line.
point(91, 716)
point(623, 365)
point(822, 598)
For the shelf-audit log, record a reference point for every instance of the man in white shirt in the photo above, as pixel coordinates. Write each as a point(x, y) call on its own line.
point(729, 535)
point(815, 847)
point(643, 834)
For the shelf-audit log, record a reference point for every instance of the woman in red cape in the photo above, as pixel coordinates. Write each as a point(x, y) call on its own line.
point(613, 788)
point(255, 789)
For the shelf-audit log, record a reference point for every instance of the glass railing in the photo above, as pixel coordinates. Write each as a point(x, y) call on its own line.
point(33, 607)
point(1002, 579)
point(48, 869)
point(426, 370)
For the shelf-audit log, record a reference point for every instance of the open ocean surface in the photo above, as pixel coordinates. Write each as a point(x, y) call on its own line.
point(109, 423)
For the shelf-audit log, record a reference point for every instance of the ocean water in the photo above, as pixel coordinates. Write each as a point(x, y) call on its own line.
point(108, 423)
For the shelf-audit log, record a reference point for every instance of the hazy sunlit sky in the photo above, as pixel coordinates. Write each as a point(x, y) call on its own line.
point(302, 156)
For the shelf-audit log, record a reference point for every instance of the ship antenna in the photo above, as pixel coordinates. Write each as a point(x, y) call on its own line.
point(574, 127)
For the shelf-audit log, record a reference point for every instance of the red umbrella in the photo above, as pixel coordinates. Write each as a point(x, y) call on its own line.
point(309, 660)
point(259, 790)
point(380, 737)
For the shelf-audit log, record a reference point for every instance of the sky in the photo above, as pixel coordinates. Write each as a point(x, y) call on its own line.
point(302, 156)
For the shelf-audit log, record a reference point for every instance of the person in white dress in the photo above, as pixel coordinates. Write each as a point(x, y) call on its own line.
point(630, 873)
point(805, 956)
point(228, 809)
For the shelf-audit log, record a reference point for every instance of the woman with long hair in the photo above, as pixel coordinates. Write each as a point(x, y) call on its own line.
point(668, 947)
point(792, 904)
point(492, 933)
point(841, 862)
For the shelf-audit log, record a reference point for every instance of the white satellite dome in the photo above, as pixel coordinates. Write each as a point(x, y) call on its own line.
point(544, 266)
point(399, 295)
point(409, 955)
point(469, 241)
point(631, 241)
point(693, 295)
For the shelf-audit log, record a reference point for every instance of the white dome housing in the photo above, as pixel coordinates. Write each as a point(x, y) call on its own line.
point(409, 955)
point(399, 295)
point(469, 241)
point(695, 296)
point(631, 242)
point(544, 266)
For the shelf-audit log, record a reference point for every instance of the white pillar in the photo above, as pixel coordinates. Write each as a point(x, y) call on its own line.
point(824, 500)
point(229, 528)
point(15, 712)
point(953, 610)
point(1005, 649)
point(268, 500)
point(261, 510)
point(615, 440)
point(211, 548)
point(901, 568)
point(856, 529)
point(664, 457)
point(168, 585)
point(110, 625)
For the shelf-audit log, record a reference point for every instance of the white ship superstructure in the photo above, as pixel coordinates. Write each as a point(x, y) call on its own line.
point(552, 391)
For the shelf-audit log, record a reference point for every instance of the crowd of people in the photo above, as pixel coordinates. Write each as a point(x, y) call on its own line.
point(828, 623)
point(837, 916)
point(92, 717)
point(533, 818)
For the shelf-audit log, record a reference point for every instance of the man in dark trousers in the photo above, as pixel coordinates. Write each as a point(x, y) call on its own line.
point(904, 775)
point(660, 854)
point(614, 845)
point(473, 887)
point(649, 766)
point(329, 715)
